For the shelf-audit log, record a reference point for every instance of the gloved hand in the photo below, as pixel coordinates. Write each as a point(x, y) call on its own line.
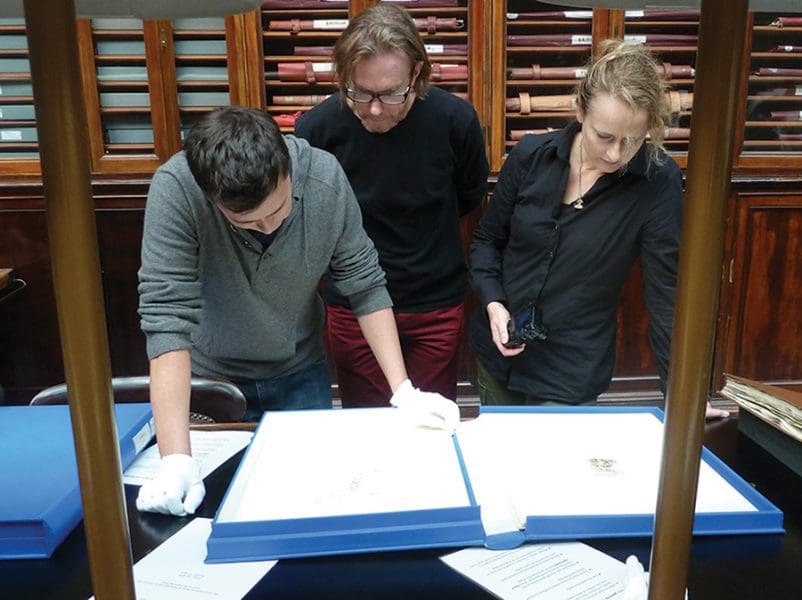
point(636, 582)
point(176, 490)
point(426, 409)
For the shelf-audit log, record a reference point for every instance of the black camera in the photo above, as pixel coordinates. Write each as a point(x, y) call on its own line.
point(526, 326)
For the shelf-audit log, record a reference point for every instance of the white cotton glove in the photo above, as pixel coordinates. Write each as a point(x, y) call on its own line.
point(426, 409)
point(636, 582)
point(176, 490)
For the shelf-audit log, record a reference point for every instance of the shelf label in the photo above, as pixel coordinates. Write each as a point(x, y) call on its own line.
point(329, 23)
point(580, 73)
point(11, 135)
point(798, 91)
point(634, 14)
point(578, 14)
point(324, 67)
point(581, 40)
point(434, 48)
point(635, 39)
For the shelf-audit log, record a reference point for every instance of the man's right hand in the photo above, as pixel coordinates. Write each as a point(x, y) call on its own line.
point(176, 490)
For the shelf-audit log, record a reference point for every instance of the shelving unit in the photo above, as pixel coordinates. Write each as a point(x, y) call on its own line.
point(672, 36)
point(298, 71)
point(773, 122)
point(546, 52)
point(124, 101)
point(201, 67)
point(18, 137)
point(298, 43)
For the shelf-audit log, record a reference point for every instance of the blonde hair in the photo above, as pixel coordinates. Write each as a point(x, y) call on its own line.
point(630, 73)
point(378, 29)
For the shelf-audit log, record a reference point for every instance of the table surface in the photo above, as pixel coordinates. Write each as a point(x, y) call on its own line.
point(753, 567)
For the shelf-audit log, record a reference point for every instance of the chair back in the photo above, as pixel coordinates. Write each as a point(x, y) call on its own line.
point(210, 400)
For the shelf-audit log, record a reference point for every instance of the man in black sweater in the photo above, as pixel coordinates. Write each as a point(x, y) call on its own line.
point(415, 158)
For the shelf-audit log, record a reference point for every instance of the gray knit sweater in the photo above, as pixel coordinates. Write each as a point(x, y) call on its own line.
point(241, 311)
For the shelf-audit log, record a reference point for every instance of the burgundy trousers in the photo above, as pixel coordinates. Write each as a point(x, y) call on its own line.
point(429, 343)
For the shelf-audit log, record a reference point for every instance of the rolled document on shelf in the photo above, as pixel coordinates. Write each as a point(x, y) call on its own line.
point(537, 72)
point(313, 50)
point(551, 15)
point(543, 39)
point(303, 100)
point(787, 22)
point(442, 72)
point(310, 72)
point(281, 4)
point(447, 49)
point(671, 133)
point(786, 48)
point(526, 103)
point(434, 24)
point(567, 39)
point(778, 72)
point(677, 133)
point(786, 115)
point(298, 25)
point(517, 134)
point(431, 49)
point(785, 91)
point(662, 39)
point(560, 15)
point(424, 3)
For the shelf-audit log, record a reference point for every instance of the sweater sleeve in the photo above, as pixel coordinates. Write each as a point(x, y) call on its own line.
point(169, 289)
point(354, 270)
point(472, 167)
point(493, 232)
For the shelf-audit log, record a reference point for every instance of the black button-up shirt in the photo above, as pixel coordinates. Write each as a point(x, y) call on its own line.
point(529, 247)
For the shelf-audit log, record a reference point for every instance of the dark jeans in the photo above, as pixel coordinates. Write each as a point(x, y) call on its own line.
point(308, 388)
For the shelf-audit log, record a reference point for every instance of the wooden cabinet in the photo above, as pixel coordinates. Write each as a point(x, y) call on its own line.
point(516, 61)
point(760, 321)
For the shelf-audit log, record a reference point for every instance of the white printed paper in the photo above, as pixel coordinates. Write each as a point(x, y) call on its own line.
point(175, 570)
point(210, 448)
point(559, 571)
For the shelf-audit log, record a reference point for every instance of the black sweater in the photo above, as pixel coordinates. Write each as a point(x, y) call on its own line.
point(413, 184)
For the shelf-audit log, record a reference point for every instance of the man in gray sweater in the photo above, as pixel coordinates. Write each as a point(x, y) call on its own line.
point(239, 228)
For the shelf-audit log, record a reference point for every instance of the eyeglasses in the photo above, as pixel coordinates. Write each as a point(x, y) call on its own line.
point(361, 97)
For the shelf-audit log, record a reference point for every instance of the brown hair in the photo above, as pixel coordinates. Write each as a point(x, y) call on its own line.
point(378, 29)
point(630, 73)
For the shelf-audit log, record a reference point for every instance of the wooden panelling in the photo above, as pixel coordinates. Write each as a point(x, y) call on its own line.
point(30, 352)
point(635, 367)
point(764, 324)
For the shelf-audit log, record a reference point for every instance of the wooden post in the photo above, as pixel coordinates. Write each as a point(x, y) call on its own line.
point(64, 149)
point(718, 69)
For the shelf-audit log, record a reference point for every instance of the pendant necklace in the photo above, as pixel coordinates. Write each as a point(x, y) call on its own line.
point(578, 204)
